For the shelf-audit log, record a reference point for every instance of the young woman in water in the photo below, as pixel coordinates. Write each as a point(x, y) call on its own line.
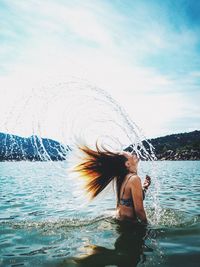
point(103, 166)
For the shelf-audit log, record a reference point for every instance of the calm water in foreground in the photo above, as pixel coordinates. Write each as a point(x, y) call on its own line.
point(45, 220)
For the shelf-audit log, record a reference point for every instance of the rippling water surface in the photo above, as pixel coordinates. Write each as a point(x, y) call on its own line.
point(45, 220)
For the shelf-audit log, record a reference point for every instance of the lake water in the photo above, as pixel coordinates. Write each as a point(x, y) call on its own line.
point(45, 220)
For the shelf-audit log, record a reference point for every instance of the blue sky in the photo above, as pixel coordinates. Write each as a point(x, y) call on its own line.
point(145, 53)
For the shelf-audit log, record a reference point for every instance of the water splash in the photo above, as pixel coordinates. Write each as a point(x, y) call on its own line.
point(72, 112)
point(169, 218)
point(52, 224)
point(172, 218)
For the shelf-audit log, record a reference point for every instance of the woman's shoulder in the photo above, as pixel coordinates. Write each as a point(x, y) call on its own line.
point(135, 179)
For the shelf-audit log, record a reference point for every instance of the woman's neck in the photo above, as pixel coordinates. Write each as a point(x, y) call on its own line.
point(133, 172)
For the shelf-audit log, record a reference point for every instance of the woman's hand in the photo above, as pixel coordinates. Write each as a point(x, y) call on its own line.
point(147, 182)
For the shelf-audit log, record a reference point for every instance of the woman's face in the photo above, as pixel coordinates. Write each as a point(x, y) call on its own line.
point(132, 161)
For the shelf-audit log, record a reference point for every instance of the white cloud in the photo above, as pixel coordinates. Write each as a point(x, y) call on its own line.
point(77, 40)
point(61, 18)
point(131, 87)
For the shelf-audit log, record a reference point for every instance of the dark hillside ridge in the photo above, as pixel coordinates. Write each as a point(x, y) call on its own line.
point(183, 146)
point(15, 148)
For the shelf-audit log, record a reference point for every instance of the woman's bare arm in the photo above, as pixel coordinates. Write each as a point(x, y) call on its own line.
point(136, 191)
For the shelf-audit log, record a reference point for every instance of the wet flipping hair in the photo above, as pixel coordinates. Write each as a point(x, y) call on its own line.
point(99, 168)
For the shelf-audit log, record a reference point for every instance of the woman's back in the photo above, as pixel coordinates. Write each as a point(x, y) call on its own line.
point(125, 207)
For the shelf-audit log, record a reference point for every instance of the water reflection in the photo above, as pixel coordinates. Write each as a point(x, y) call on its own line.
point(128, 249)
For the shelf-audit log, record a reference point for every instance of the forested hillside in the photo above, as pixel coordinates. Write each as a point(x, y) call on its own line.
point(183, 146)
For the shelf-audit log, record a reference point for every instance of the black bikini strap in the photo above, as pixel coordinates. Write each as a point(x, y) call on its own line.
point(125, 185)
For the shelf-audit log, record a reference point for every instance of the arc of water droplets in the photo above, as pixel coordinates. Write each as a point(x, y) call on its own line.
point(134, 130)
point(50, 96)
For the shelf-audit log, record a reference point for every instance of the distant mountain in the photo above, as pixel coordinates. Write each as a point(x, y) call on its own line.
point(15, 148)
point(183, 146)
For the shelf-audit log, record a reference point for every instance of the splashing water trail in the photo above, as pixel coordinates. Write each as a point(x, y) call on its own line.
point(75, 112)
point(42, 220)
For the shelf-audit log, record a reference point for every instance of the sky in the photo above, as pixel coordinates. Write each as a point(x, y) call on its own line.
point(144, 53)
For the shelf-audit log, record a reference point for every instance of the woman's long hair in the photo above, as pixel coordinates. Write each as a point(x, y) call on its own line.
point(99, 168)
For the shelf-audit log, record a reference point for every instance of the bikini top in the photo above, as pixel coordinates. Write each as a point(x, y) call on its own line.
point(128, 202)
